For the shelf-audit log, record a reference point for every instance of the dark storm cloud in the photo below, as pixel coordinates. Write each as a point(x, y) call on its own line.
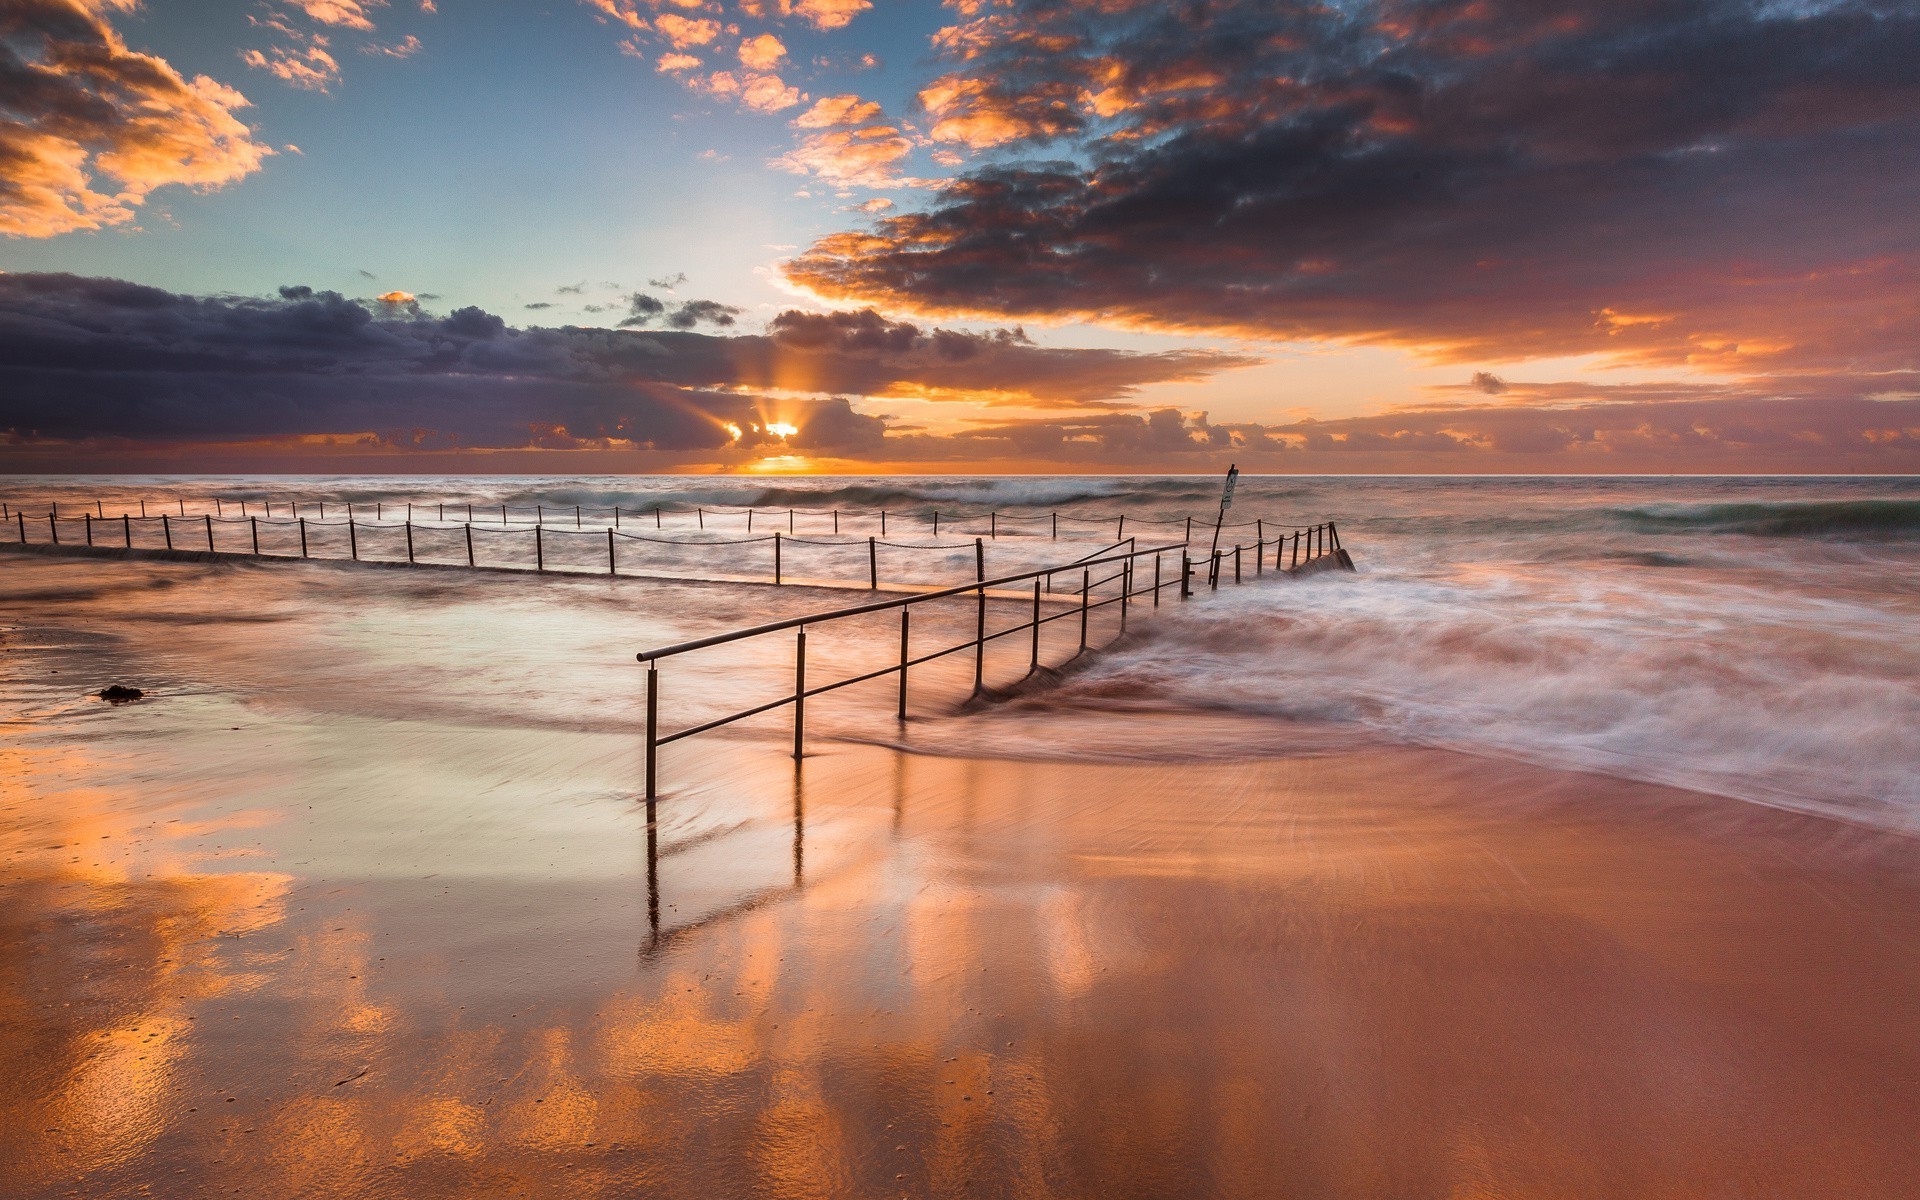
point(1720, 182)
point(88, 358)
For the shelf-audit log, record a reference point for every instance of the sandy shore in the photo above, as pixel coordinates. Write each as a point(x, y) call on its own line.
point(1377, 973)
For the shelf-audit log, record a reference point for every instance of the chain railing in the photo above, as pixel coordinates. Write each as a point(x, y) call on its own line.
point(1322, 544)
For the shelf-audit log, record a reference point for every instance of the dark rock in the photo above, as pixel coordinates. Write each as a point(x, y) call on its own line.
point(120, 695)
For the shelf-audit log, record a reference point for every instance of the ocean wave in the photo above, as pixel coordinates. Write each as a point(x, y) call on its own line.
point(1837, 519)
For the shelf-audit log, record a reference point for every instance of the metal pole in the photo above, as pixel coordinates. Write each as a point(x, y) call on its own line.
point(789, 520)
point(503, 515)
point(800, 693)
point(701, 513)
point(1120, 531)
point(1086, 586)
point(749, 519)
point(539, 514)
point(209, 521)
point(612, 567)
point(883, 522)
point(469, 544)
point(254, 521)
point(303, 537)
point(353, 540)
point(1296, 549)
point(1236, 563)
point(1156, 581)
point(1186, 576)
point(1033, 663)
point(1335, 533)
point(904, 618)
point(21, 519)
point(1260, 556)
point(979, 620)
point(1189, 529)
point(53, 528)
point(166, 527)
point(409, 540)
point(576, 516)
point(89, 517)
point(993, 526)
point(776, 556)
point(126, 530)
point(1214, 571)
point(1056, 527)
point(440, 510)
point(936, 522)
point(653, 725)
point(873, 564)
point(1126, 590)
point(539, 549)
point(836, 520)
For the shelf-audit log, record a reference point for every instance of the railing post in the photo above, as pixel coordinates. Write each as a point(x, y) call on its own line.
point(166, 527)
point(353, 540)
point(936, 522)
point(539, 548)
point(303, 537)
point(873, 564)
point(539, 513)
point(440, 512)
point(1120, 530)
point(503, 516)
point(209, 521)
point(904, 620)
point(1033, 664)
point(1214, 571)
point(1189, 529)
point(776, 556)
point(993, 525)
point(126, 530)
point(1236, 562)
point(1056, 527)
point(21, 519)
point(980, 617)
point(89, 517)
point(883, 522)
point(1334, 534)
point(469, 528)
point(576, 517)
point(1086, 586)
point(53, 528)
point(612, 567)
point(1156, 581)
point(653, 727)
point(789, 520)
point(701, 515)
point(254, 521)
point(409, 539)
point(1186, 575)
point(800, 693)
point(1126, 591)
point(1296, 549)
point(749, 518)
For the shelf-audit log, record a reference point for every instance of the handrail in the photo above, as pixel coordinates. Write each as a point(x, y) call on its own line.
point(882, 605)
point(1321, 542)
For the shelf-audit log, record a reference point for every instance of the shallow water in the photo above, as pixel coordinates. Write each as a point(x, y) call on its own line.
point(1755, 638)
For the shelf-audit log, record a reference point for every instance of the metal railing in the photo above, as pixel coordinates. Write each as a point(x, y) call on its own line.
point(241, 536)
point(1320, 541)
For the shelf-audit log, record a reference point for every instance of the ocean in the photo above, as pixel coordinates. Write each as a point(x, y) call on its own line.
point(1756, 639)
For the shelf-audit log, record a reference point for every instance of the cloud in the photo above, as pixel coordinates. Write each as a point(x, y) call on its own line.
point(685, 32)
point(347, 14)
point(1716, 183)
point(406, 47)
point(1488, 383)
point(670, 62)
point(97, 361)
point(833, 111)
point(762, 52)
point(821, 14)
point(865, 157)
point(89, 128)
point(305, 64)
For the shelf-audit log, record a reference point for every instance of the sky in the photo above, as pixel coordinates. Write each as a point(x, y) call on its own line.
point(1499, 236)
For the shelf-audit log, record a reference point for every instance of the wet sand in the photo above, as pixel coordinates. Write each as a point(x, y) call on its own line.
point(1389, 972)
point(297, 947)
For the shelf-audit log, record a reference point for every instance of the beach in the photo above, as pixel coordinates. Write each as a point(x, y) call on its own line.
point(364, 900)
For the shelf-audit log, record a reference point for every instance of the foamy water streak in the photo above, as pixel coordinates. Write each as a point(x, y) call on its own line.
point(1754, 638)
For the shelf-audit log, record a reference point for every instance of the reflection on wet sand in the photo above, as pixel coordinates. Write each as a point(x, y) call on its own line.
point(1346, 976)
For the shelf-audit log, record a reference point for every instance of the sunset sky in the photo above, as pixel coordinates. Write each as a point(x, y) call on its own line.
point(985, 235)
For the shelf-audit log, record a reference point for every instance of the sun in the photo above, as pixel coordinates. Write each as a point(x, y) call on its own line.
point(781, 429)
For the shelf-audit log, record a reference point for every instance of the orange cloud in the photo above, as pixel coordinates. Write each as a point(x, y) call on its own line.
point(84, 110)
point(762, 52)
point(683, 32)
point(821, 14)
point(830, 111)
point(868, 157)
